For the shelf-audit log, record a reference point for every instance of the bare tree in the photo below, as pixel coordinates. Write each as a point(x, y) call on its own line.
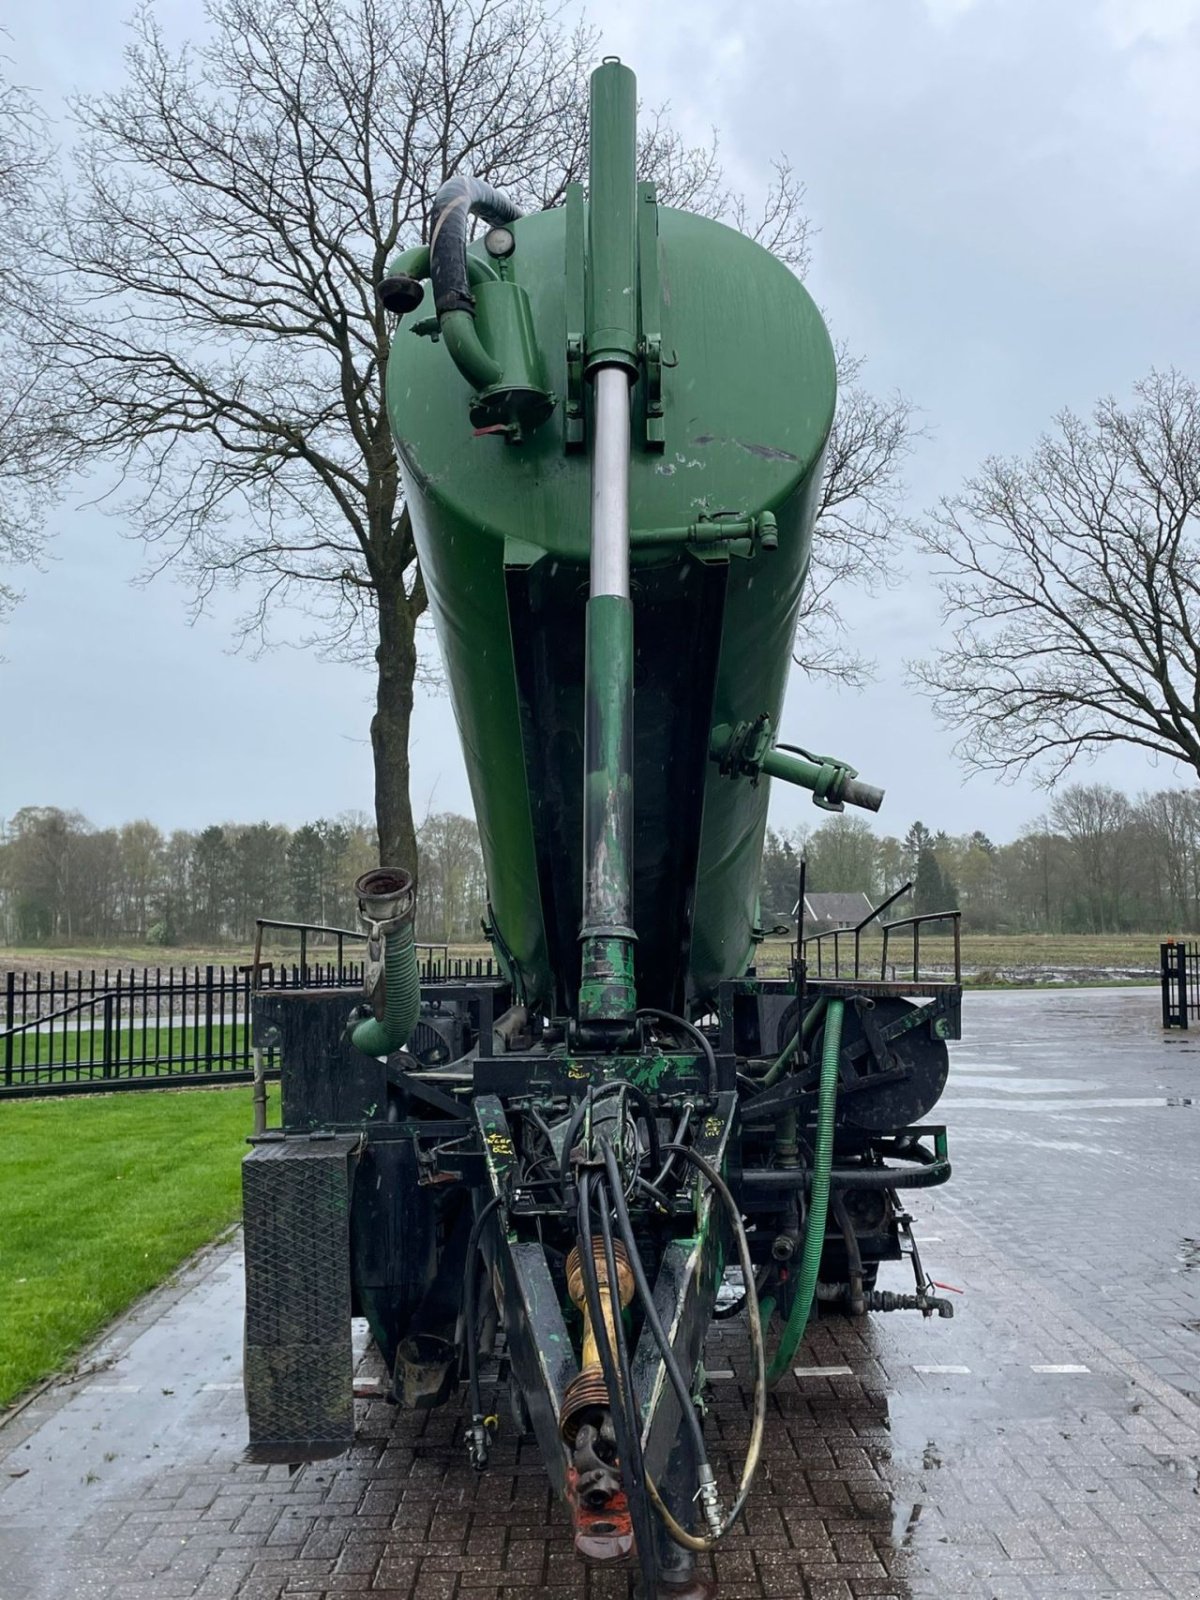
point(1072, 583)
point(235, 205)
point(1096, 820)
point(29, 458)
point(859, 522)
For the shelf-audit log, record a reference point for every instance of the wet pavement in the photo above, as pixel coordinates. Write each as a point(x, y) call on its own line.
point(1044, 1443)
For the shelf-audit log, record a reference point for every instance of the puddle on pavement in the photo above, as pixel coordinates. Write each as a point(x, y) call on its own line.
point(970, 1102)
point(1039, 1085)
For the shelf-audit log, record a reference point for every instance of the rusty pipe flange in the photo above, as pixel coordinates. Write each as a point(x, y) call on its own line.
point(586, 1400)
point(624, 1272)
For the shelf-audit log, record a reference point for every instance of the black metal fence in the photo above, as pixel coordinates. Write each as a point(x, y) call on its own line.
point(70, 1032)
point(1180, 970)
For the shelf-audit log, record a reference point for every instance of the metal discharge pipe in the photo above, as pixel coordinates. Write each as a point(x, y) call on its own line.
point(607, 996)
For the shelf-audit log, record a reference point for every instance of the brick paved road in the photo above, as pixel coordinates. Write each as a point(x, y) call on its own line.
point(1045, 1443)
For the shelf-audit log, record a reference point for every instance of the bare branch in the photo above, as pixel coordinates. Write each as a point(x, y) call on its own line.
point(1071, 583)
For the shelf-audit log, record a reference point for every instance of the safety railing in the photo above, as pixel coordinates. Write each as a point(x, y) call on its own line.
point(814, 946)
point(852, 931)
point(916, 924)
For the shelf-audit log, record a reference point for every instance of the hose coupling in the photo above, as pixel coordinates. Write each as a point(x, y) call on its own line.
point(387, 900)
point(710, 1500)
point(478, 1440)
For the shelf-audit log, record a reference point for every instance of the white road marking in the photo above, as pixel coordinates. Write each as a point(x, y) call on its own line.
point(822, 1372)
point(722, 1374)
point(114, 1388)
point(942, 1368)
point(220, 1387)
point(929, 1238)
point(1062, 1366)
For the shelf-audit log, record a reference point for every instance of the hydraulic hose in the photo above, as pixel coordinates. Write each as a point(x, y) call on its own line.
point(605, 1091)
point(679, 1383)
point(469, 1305)
point(622, 1407)
point(693, 1032)
point(927, 1175)
point(702, 1543)
point(814, 1236)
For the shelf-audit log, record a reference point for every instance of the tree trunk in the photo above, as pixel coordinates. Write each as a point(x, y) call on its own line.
point(396, 655)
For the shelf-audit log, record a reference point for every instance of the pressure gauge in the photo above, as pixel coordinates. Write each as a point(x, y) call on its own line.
point(499, 242)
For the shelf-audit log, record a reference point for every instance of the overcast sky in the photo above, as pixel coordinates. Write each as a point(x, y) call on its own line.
point(1005, 193)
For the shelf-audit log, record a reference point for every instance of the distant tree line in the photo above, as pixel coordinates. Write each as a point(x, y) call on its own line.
point(63, 881)
point(1096, 862)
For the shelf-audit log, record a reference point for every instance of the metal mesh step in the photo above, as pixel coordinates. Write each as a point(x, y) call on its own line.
point(299, 1370)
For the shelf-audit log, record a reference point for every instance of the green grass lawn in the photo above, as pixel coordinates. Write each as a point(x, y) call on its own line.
point(179, 1046)
point(98, 1203)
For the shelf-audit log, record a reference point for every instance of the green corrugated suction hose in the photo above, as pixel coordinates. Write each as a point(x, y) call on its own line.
point(385, 900)
point(814, 1236)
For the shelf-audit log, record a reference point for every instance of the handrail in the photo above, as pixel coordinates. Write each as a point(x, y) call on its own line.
point(854, 928)
point(303, 929)
point(915, 923)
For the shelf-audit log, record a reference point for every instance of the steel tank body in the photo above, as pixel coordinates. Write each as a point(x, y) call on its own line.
point(502, 531)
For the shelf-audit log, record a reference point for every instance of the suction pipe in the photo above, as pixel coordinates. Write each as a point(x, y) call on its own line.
point(814, 1237)
point(387, 902)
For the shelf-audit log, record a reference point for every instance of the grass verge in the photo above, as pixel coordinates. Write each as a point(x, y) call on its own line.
point(99, 1204)
point(179, 1048)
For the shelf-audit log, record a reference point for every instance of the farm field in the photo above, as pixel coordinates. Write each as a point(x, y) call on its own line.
point(143, 957)
point(1024, 958)
point(99, 1204)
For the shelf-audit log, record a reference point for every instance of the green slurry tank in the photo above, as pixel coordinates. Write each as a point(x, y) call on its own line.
point(611, 436)
point(611, 430)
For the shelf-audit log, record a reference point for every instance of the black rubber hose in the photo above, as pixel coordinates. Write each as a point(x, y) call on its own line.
point(678, 1137)
point(758, 1349)
point(605, 1091)
point(653, 1320)
point(736, 1307)
point(691, 1029)
point(456, 201)
point(850, 1177)
point(469, 1303)
point(645, 1528)
point(628, 1443)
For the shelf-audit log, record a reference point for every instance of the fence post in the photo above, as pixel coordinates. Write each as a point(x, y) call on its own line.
point(208, 1016)
point(1173, 959)
point(10, 1017)
point(108, 1034)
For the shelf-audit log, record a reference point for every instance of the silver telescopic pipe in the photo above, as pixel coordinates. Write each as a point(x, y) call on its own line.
point(610, 484)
